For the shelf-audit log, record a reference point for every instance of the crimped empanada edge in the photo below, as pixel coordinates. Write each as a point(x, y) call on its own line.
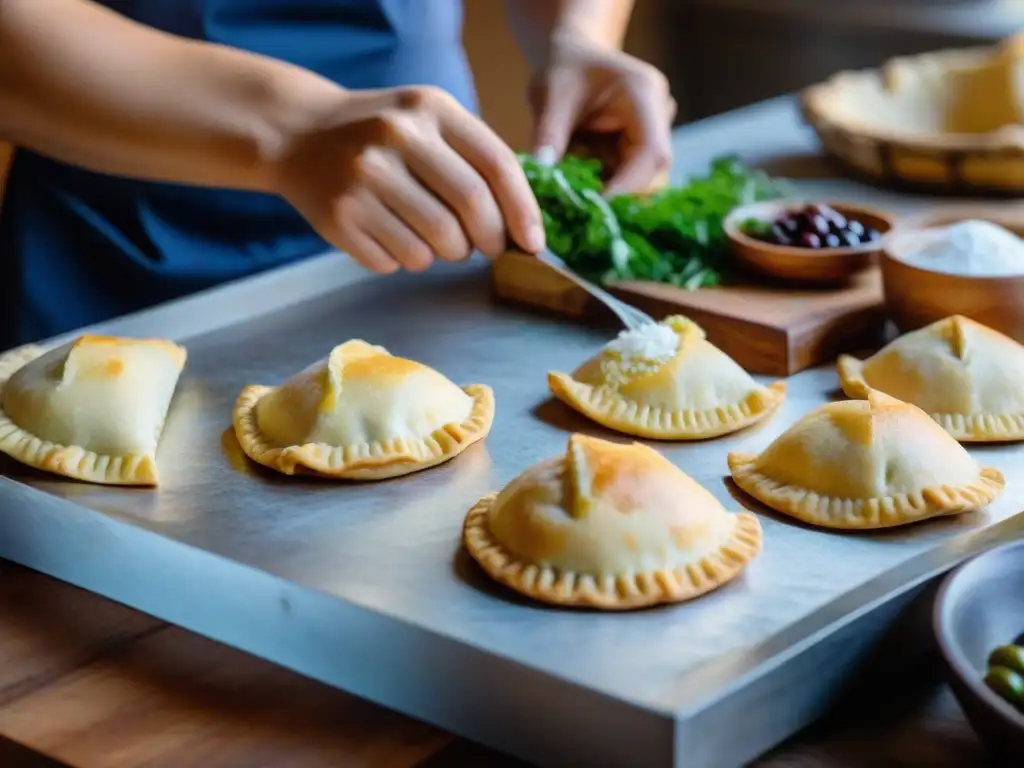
point(67, 461)
point(863, 514)
point(964, 427)
point(982, 427)
point(365, 461)
point(607, 408)
point(625, 592)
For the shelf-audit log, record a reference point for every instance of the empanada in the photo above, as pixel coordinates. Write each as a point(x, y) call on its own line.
point(872, 463)
point(609, 526)
point(967, 377)
point(361, 414)
point(92, 409)
point(667, 382)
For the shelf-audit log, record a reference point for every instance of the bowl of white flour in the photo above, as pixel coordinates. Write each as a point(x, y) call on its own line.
point(971, 265)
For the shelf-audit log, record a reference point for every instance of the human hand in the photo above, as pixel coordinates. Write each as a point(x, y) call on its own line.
point(394, 177)
point(586, 88)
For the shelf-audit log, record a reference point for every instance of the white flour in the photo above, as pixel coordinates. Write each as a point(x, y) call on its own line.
point(972, 248)
point(639, 351)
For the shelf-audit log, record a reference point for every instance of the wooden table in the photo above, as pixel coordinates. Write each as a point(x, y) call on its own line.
point(89, 683)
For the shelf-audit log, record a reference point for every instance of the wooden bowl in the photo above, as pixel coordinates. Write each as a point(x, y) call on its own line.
point(804, 264)
point(916, 297)
point(979, 607)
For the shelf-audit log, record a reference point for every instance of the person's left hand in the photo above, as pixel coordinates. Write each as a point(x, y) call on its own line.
point(587, 88)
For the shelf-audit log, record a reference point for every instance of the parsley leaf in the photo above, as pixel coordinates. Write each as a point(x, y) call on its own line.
point(674, 236)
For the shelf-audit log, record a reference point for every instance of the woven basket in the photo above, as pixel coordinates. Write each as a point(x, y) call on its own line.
point(989, 164)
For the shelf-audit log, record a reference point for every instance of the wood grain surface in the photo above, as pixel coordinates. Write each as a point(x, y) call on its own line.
point(6, 152)
point(88, 683)
point(771, 330)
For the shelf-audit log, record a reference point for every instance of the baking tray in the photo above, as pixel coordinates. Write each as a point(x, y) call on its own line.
point(364, 587)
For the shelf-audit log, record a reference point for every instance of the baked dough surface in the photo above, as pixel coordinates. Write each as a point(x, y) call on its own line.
point(862, 464)
point(361, 414)
point(92, 409)
point(695, 392)
point(609, 526)
point(966, 376)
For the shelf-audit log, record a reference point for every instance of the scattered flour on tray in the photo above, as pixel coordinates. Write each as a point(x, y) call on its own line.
point(639, 351)
point(972, 248)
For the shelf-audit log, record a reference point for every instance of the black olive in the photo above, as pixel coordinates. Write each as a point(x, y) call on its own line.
point(810, 240)
point(819, 224)
point(855, 227)
point(871, 235)
point(851, 238)
point(832, 241)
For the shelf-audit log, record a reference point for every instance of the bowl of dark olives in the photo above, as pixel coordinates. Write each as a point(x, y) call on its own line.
point(816, 242)
point(979, 625)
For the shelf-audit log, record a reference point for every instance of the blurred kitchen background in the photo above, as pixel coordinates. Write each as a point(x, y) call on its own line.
point(722, 54)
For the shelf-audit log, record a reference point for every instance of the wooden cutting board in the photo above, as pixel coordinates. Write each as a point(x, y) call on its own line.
point(768, 329)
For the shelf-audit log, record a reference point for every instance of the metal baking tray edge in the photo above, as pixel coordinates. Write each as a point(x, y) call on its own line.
point(541, 718)
point(454, 691)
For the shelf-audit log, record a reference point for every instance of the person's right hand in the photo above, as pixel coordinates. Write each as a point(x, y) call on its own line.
point(396, 177)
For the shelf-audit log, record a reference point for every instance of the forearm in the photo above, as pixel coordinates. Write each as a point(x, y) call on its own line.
point(85, 85)
point(537, 23)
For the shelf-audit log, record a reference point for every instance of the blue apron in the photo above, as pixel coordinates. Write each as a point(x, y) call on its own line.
point(78, 247)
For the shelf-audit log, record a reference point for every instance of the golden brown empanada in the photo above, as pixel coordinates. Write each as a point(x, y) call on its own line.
point(609, 526)
point(872, 463)
point(666, 382)
point(967, 377)
point(92, 409)
point(361, 414)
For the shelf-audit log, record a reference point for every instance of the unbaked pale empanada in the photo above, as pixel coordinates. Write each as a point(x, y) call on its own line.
point(666, 381)
point(872, 463)
point(967, 377)
point(361, 414)
point(609, 526)
point(92, 409)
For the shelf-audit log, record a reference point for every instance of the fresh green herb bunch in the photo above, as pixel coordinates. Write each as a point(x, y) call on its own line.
point(673, 236)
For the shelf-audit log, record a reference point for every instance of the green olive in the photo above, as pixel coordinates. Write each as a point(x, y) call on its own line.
point(1009, 656)
point(1007, 683)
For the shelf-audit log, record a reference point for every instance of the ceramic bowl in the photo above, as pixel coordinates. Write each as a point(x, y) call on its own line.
point(916, 297)
point(806, 265)
point(979, 607)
